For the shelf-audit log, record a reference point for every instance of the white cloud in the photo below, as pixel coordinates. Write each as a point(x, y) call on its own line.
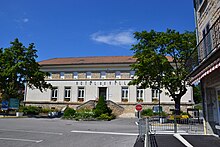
point(119, 38)
point(25, 20)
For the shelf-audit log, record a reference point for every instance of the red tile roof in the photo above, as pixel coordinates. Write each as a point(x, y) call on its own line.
point(91, 60)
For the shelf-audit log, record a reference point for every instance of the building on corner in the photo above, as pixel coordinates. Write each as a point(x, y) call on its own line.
point(206, 66)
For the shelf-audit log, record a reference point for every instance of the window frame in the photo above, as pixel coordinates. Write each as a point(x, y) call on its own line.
point(54, 93)
point(124, 94)
point(81, 94)
point(155, 94)
point(67, 90)
point(139, 94)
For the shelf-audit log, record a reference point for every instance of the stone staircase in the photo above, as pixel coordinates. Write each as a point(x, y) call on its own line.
point(87, 105)
point(116, 108)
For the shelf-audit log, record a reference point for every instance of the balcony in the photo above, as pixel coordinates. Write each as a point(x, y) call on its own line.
point(206, 52)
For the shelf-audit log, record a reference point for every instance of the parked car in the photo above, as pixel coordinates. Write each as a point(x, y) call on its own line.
point(54, 114)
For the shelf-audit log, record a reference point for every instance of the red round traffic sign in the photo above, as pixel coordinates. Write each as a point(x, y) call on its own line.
point(138, 107)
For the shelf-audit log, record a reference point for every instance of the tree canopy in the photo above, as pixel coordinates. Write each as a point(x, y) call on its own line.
point(162, 61)
point(18, 66)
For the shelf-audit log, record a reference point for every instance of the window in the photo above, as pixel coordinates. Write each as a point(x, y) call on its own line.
point(50, 76)
point(88, 75)
point(118, 74)
point(67, 93)
point(54, 94)
point(140, 94)
point(132, 74)
point(62, 75)
point(124, 94)
point(155, 94)
point(103, 75)
point(207, 41)
point(75, 75)
point(81, 94)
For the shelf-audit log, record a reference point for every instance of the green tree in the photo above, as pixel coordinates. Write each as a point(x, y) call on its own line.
point(18, 66)
point(162, 61)
point(102, 108)
point(197, 97)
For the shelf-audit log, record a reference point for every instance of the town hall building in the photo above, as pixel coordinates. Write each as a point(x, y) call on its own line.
point(78, 80)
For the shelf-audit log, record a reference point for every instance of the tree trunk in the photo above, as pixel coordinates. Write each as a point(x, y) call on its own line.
point(177, 105)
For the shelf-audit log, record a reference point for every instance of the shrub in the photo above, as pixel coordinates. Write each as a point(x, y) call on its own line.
point(147, 112)
point(162, 113)
point(105, 117)
point(46, 110)
point(84, 114)
point(102, 108)
point(69, 113)
point(30, 110)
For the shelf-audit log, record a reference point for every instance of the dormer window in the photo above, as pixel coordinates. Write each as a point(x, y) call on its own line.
point(132, 74)
point(62, 75)
point(118, 75)
point(75, 75)
point(88, 75)
point(103, 75)
point(50, 76)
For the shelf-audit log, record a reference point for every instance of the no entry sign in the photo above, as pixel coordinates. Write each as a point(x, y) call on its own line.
point(138, 107)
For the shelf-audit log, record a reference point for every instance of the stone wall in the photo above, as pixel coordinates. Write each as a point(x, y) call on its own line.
point(68, 75)
point(125, 75)
point(81, 75)
point(55, 75)
point(110, 75)
point(95, 75)
point(117, 108)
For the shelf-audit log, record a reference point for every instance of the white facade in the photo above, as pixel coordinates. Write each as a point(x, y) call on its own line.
point(91, 90)
point(88, 81)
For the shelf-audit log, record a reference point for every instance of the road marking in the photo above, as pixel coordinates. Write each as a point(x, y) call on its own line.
point(25, 140)
point(180, 138)
point(169, 132)
point(37, 132)
point(107, 133)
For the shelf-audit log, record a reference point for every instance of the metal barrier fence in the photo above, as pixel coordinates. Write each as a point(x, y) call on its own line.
point(148, 127)
point(189, 125)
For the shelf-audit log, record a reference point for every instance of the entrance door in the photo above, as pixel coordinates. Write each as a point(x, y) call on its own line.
point(102, 92)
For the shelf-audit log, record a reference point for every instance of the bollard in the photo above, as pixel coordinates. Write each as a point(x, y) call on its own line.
point(142, 127)
point(147, 139)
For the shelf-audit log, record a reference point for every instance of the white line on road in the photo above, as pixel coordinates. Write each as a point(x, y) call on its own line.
point(37, 132)
point(25, 140)
point(180, 138)
point(169, 132)
point(107, 133)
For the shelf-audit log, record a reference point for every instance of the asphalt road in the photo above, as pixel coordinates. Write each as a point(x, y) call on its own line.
point(33, 132)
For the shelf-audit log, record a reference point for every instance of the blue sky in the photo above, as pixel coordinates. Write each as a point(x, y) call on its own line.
point(76, 28)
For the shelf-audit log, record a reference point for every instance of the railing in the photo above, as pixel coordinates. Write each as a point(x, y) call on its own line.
point(189, 125)
point(150, 126)
point(206, 46)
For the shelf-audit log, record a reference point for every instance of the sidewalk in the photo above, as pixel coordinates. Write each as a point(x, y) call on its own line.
point(177, 140)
